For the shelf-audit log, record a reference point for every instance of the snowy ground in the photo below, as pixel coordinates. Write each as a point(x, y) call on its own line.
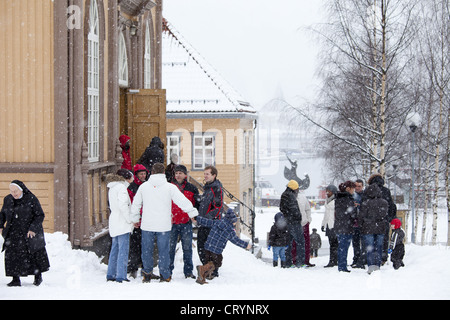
point(78, 274)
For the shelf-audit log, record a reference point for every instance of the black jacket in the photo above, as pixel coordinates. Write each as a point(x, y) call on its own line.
point(28, 214)
point(289, 207)
point(279, 235)
point(345, 213)
point(153, 154)
point(385, 194)
point(211, 204)
point(373, 214)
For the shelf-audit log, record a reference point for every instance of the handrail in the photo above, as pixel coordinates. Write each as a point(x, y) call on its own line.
point(232, 197)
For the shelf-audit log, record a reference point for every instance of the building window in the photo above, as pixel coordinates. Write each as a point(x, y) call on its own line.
point(123, 62)
point(203, 151)
point(93, 114)
point(147, 60)
point(173, 146)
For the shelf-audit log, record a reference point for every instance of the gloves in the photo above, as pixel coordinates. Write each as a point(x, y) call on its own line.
point(389, 250)
point(269, 247)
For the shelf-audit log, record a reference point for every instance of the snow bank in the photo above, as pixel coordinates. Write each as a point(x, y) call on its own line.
point(76, 274)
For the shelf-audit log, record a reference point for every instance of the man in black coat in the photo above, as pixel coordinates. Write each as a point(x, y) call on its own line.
point(154, 153)
point(392, 211)
point(24, 244)
point(210, 207)
point(291, 211)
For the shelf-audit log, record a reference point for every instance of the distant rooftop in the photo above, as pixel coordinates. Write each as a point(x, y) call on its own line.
point(192, 84)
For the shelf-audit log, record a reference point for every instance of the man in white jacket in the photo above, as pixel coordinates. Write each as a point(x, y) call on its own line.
point(155, 198)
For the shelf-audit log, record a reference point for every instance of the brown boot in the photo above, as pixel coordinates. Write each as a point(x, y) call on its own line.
point(200, 272)
point(209, 270)
point(204, 271)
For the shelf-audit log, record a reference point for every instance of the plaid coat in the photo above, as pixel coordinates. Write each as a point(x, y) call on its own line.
point(221, 231)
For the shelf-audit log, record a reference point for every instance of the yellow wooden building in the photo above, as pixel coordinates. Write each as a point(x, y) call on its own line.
point(208, 122)
point(66, 70)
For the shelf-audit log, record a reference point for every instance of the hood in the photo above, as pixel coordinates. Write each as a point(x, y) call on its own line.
point(280, 221)
point(139, 167)
point(136, 169)
point(123, 140)
point(397, 223)
point(373, 191)
point(158, 179)
point(112, 177)
point(156, 142)
point(376, 179)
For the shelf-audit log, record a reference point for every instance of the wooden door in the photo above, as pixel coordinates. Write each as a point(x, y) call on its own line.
point(146, 119)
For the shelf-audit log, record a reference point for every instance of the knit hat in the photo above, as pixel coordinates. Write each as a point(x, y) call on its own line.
point(332, 188)
point(180, 168)
point(397, 223)
point(293, 185)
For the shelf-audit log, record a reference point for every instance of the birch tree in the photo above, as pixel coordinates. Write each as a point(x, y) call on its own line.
point(361, 103)
point(435, 50)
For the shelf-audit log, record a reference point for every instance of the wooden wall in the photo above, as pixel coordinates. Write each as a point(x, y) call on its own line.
point(26, 81)
point(235, 177)
point(41, 185)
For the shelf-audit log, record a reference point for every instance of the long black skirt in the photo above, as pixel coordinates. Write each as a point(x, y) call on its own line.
point(19, 261)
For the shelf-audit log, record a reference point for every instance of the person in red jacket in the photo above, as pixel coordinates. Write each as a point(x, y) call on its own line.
point(181, 223)
point(140, 176)
point(125, 145)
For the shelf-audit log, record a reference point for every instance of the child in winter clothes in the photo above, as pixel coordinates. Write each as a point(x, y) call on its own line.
point(279, 240)
point(316, 242)
point(222, 230)
point(396, 246)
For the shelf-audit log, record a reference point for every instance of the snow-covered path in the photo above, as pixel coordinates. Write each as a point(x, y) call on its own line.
point(78, 274)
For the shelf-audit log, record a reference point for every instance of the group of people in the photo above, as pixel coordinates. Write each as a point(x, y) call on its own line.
point(158, 204)
point(149, 204)
point(352, 215)
point(155, 203)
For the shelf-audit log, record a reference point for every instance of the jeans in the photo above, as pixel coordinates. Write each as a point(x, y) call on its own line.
point(163, 243)
point(183, 230)
point(296, 232)
point(343, 245)
point(118, 258)
point(279, 252)
point(374, 248)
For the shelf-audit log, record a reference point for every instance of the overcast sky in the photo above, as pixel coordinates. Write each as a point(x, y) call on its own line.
point(258, 46)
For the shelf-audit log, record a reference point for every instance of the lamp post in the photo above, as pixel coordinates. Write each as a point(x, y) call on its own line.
point(413, 121)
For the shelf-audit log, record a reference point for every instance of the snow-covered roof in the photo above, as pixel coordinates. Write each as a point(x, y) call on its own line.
point(192, 84)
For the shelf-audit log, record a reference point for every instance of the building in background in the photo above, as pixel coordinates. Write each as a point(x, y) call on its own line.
point(208, 122)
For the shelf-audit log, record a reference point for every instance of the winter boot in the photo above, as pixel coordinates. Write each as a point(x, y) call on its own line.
point(15, 282)
point(204, 271)
point(147, 277)
point(209, 271)
point(37, 280)
point(275, 263)
point(283, 264)
point(200, 272)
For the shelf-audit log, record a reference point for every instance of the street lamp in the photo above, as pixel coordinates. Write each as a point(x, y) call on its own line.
point(413, 121)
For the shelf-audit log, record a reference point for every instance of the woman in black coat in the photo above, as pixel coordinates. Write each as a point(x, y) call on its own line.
point(24, 243)
point(345, 214)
